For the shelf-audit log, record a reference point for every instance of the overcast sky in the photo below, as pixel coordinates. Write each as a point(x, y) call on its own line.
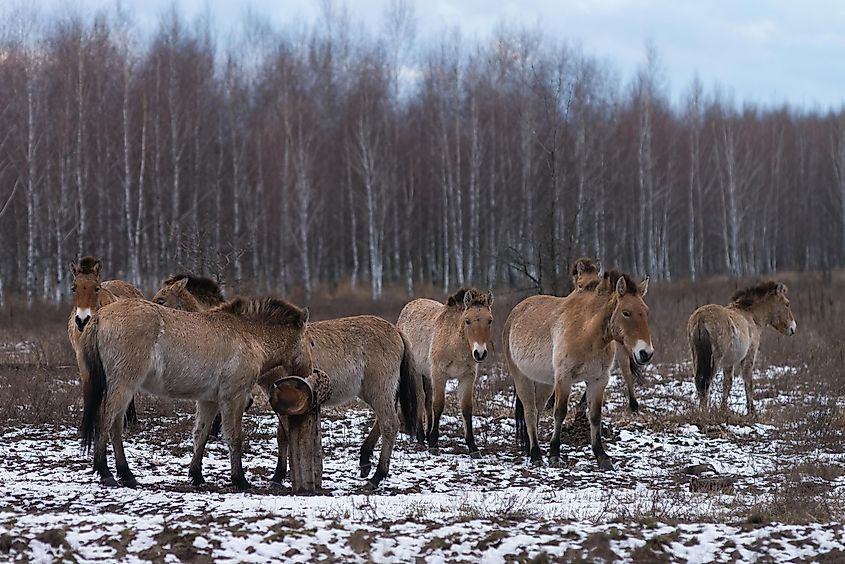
point(766, 51)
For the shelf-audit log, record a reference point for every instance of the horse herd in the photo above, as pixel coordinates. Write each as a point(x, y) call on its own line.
point(189, 342)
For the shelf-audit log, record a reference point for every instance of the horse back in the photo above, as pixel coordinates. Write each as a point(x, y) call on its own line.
point(362, 354)
point(730, 332)
point(418, 321)
point(122, 289)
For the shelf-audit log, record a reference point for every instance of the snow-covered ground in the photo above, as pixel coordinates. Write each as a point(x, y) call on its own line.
point(682, 489)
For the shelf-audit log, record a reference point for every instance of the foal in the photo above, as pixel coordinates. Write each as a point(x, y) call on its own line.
point(729, 336)
point(448, 341)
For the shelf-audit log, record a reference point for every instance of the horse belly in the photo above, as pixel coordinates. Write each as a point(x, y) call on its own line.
point(537, 367)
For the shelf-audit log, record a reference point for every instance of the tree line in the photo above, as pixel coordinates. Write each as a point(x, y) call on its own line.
point(323, 155)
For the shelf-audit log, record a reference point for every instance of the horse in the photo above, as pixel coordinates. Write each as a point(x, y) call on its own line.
point(551, 342)
point(213, 357)
point(729, 336)
point(365, 357)
point(583, 272)
point(89, 294)
point(188, 292)
point(448, 341)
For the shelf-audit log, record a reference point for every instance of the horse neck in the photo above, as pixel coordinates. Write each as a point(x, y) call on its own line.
point(752, 315)
point(597, 326)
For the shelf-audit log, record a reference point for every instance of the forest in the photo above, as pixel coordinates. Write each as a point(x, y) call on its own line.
point(323, 155)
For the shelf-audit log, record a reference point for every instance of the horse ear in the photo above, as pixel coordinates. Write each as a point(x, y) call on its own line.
point(621, 286)
point(467, 298)
point(73, 268)
point(643, 287)
point(182, 282)
point(489, 297)
point(307, 311)
point(97, 266)
point(579, 268)
point(782, 289)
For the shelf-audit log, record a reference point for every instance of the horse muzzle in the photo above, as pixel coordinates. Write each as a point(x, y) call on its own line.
point(81, 322)
point(791, 328)
point(479, 353)
point(642, 353)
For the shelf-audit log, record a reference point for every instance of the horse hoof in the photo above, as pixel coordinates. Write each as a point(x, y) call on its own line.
point(634, 406)
point(198, 482)
point(476, 454)
point(109, 482)
point(365, 470)
point(241, 485)
point(369, 487)
point(129, 482)
point(606, 464)
point(554, 461)
point(434, 450)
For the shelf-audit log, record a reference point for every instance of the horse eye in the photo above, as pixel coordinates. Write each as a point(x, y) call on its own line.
point(73, 289)
point(467, 321)
point(160, 301)
point(489, 322)
point(626, 314)
point(97, 289)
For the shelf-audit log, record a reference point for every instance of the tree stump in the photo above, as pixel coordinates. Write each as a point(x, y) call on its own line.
point(299, 399)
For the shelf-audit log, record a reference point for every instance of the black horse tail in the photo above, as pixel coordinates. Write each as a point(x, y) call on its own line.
point(94, 387)
point(407, 391)
point(703, 353)
point(521, 427)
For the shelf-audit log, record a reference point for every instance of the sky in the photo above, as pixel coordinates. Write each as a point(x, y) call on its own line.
point(768, 52)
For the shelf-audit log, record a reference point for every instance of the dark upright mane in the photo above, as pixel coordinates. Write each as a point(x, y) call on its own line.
point(611, 278)
point(744, 299)
point(268, 310)
point(477, 298)
point(204, 289)
point(87, 265)
point(586, 265)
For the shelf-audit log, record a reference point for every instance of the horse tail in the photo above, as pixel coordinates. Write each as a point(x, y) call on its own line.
point(519, 420)
point(703, 355)
point(95, 386)
point(407, 390)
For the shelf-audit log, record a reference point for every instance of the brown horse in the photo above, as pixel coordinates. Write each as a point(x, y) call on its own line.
point(585, 272)
point(551, 342)
point(213, 357)
point(89, 294)
point(729, 336)
point(365, 357)
point(189, 293)
point(448, 341)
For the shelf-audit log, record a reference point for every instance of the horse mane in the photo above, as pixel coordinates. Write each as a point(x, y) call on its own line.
point(747, 297)
point(610, 279)
point(204, 289)
point(477, 298)
point(586, 264)
point(269, 310)
point(87, 265)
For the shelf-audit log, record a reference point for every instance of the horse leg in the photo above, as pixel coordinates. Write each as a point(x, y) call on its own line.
point(131, 416)
point(526, 392)
point(625, 366)
point(424, 406)
point(387, 420)
point(439, 402)
point(562, 390)
point(232, 412)
point(282, 460)
point(727, 384)
point(466, 387)
point(595, 398)
point(119, 404)
point(367, 449)
point(747, 367)
point(206, 412)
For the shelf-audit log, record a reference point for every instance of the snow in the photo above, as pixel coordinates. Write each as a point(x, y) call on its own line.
point(442, 507)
